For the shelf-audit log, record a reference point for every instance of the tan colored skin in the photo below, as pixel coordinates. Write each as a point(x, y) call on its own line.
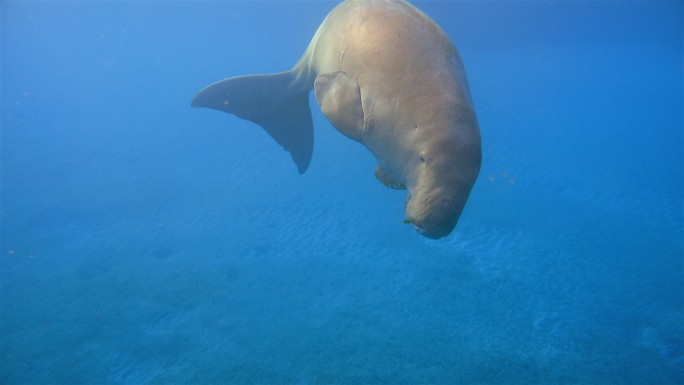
point(419, 120)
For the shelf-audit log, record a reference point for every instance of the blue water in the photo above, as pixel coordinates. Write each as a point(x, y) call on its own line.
point(145, 242)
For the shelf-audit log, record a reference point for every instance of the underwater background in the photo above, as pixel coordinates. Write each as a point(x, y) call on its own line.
point(146, 242)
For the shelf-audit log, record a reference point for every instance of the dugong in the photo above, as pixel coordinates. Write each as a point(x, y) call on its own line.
point(385, 75)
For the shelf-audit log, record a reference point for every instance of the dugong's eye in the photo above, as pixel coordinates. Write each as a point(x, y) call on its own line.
point(422, 158)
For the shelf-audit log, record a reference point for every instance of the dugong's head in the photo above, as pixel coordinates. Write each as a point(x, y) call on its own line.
point(443, 172)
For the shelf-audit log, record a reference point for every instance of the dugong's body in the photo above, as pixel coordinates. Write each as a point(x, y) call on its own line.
point(384, 75)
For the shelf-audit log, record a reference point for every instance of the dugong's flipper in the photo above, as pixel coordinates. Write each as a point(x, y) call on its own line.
point(275, 102)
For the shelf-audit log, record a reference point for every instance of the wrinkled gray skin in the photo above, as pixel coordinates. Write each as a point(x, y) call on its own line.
point(418, 117)
point(384, 75)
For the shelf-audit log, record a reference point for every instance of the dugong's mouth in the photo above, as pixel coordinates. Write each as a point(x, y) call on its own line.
point(429, 232)
point(432, 220)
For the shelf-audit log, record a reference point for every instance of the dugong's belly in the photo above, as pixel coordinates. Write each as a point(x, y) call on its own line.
point(407, 71)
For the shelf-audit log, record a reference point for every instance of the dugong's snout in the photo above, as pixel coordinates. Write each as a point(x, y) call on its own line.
point(433, 219)
point(439, 191)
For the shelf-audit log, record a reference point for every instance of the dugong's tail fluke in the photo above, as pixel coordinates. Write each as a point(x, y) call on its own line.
point(275, 102)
